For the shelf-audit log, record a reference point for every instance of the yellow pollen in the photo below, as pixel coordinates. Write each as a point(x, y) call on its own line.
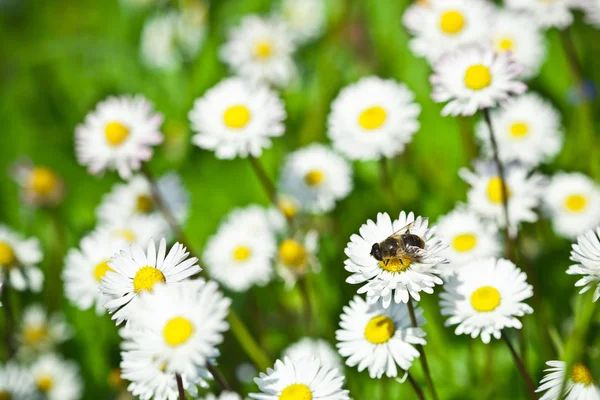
point(127, 235)
point(287, 207)
point(42, 180)
point(380, 329)
point(314, 178)
point(177, 331)
point(452, 22)
point(372, 118)
point(7, 254)
point(485, 299)
point(519, 129)
point(144, 204)
point(478, 77)
point(395, 265)
point(5, 395)
point(45, 383)
point(236, 117)
point(115, 133)
point(581, 374)
point(263, 49)
point(296, 391)
point(242, 253)
point(504, 44)
point(34, 334)
point(146, 277)
point(494, 190)
point(292, 253)
point(573, 203)
point(101, 269)
point(465, 242)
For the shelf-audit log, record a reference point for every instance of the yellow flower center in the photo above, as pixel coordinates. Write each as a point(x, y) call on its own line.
point(42, 180)
point(452, 22)
point(177, 331)
point(242, 253)
point(380, 329)
point(236, 117)
point(465, 242)
point(7, 254)
point(395, 265)
point(5, 395)
point(34, 333)
point(127, 235)
point(263, 49)
point(144, 204)
point(504, 44)
point(146, 277)
point(115, 133)
point(581, 374)
point(478, 77)
point(494, 190)
point(287, 207)
point(573, 203)
point(45, 383)
point(485, 299)
point(292, 253)
point(314, 177)
point(296, 391)
point(101, 269)
point(372, 118)
point(519, 129)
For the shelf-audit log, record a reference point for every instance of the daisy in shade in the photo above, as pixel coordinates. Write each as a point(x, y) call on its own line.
point(319, 348)
point(573, 202)
point(316, 177)
point(439, 26)
point(468, 238)
point(377, 338)
point(527, 129)
point(305, 19)
point(474, 77)
point(373, 118)
point(395, 280)
point(524, 191)
point(260, 50)
point(586, 253)
point(580, 383)
point(118, 135)
point(18, 259)
point(40, 332)
point(16, 383)
point(304, 379)
point(57, 379)
point(133, 271)
point(486, 296)
point(237, 119)
point(223, 396)
point(40, 186)
point(240, 255)
point(547, 14)
point(297, 256)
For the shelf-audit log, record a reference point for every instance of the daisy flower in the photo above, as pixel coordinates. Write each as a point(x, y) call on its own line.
point(319, 348)
point(486, 296)
point(139, 229)
point(40, 332)
point(118, 135)
point(295, 257)
point(40, 186)
point(524, 191)
point(397, 280)
point(586, 253)
point(305, 19)
point(573, 202)
point(373, 118)
point(439, 26)
point(304, 379)
point(18, 259)
point(16, 383)
point(260, 50)
point(316, 177)
point(592, 12)
point(527, 129)
point(132, 272)
point(241, 253)
point(377, 338)
point(547, 14)
point(474, 77)
point(237, 119)
point(57, 379)
point(468, 238)
point(580, 383)
point(223, 396)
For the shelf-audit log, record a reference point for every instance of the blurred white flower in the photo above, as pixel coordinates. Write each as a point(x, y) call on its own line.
point(40, 186)
point(586, 253)
point(592, 12)
point(305, 19)
point(318, 348)
point(579, 382)
point(138, 229)
point(57, 379)
point(223, 396)
point(16, 382)
point(18, 261)
point(547, 14)
point(40, 332)
point(297, 256)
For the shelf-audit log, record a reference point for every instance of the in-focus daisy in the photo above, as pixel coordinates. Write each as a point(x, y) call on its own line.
point(316, 177)
point(586, 253)
point(260, 50)
point(305, 19)
point(439, 26)
point(573, 202)
point(305, 379)
point(319, 348)
point(57, 379)
point(397, 281)
point(295, 257)
point(486, 296)
point(468, 237)
point(377, 338)
point(40, 332)
point(40, 185)
point(474, 77)
point(580, 383)
point(237, 119)
point(223, 396)
point(18, 259)
point(524, 191)
point(133, 271)
point(16, 383)
point(547, 14)
point(241, 253)
point(527, 129)
point(373, 118)
point(118, 135)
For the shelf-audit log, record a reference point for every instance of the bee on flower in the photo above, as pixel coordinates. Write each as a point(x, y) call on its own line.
point(57, 379)
point(40, 186)
point(579, 385)
point(586, 253)
point(41, 332)
point(18, 261)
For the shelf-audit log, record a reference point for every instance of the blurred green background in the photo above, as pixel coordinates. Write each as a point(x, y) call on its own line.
point(59, 58)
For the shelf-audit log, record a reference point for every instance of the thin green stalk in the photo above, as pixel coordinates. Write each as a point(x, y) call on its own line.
point(521, 367)
point(180, 387)
point(307, 306)
point(415, 385)
point(264, 179)
point(216, 373)
point(9, 322)
point(423, 357)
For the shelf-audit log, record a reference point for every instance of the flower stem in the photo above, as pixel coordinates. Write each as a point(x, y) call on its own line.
point(180, 387)
point(423, 357)
point(214, 371)
point(415, 386)
point(307, 306)
point(264, 179)
point(466, 138)
point(521, 367)
point(9, 321)
point(386, 181)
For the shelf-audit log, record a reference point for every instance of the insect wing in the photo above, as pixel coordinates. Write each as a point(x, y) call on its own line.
point(408, 227)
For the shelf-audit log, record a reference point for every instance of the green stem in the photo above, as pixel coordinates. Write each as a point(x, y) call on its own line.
point(423, 357)
point(264, 179)
point(415, 385)
point(521, 367)
point(9, 321)
point(180, 387)
point(307, 306)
